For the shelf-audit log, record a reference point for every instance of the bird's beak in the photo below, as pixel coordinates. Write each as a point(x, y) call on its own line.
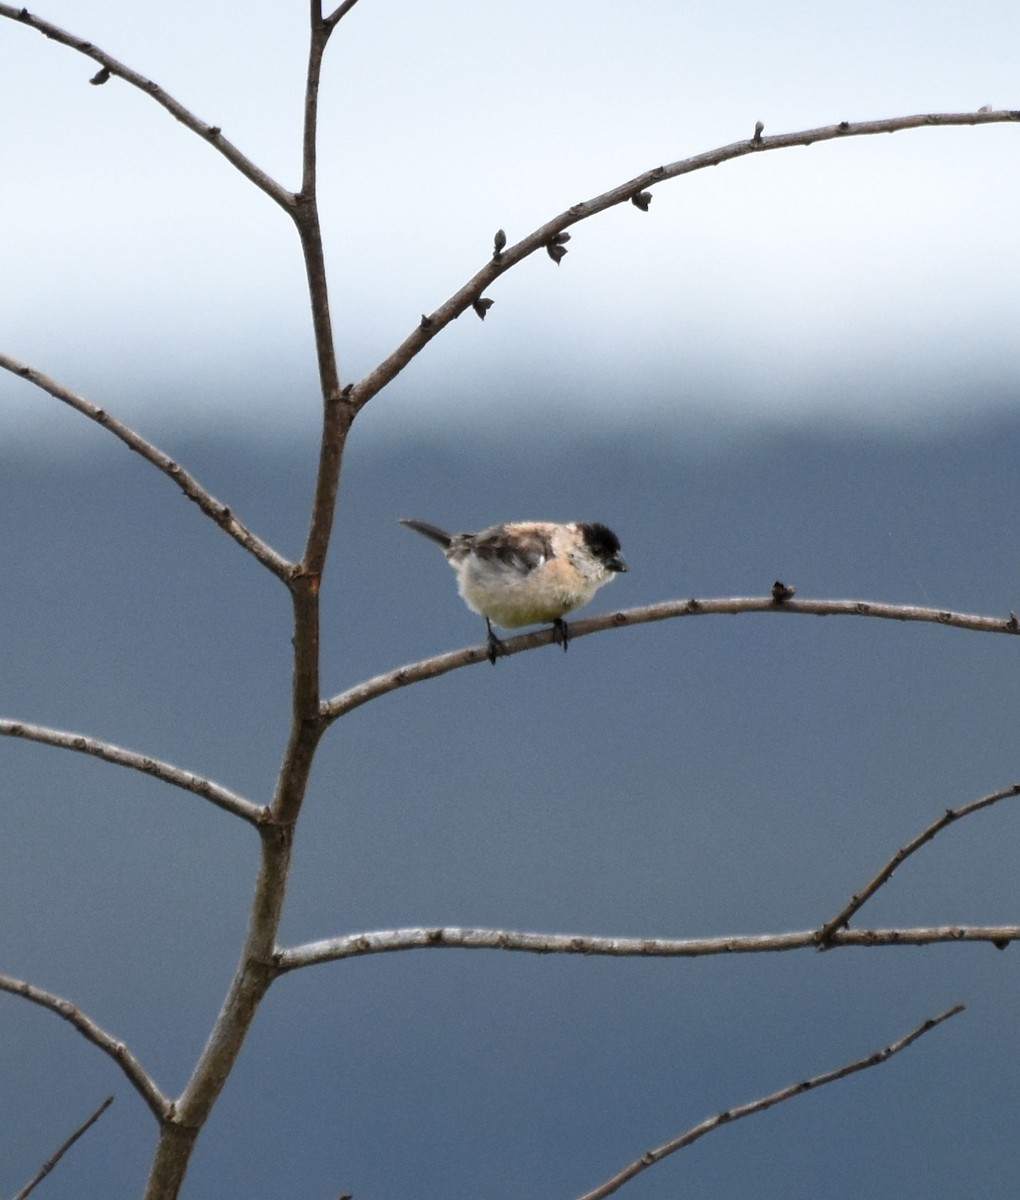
point(617, 563)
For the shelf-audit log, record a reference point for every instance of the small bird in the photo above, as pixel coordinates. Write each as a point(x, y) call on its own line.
point(528, 572)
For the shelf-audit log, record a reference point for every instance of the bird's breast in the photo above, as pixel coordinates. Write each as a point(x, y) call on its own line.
point(511, 598)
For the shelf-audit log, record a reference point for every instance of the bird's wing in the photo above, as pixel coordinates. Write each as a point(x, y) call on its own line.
point(522, 549)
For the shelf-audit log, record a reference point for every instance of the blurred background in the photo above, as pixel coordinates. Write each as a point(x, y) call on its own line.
point(801, 365)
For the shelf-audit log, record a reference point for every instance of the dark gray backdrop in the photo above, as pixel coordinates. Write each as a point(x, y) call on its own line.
point(695, 777)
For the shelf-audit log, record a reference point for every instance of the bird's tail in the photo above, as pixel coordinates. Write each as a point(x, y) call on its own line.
point(433, 532)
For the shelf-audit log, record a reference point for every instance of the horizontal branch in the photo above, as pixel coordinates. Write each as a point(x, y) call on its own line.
point(651, 1157)
point(136, 1075)
point(213, 508)
point(550, 235)
point(63, 740)
point(442, 664)
point(111, 66)
point(390, 941)
point(951, 815)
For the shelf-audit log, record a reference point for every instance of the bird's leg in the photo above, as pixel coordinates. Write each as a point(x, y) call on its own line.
point(496, 647)
point(561, 633)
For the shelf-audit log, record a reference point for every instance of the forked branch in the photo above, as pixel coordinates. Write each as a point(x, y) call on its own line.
point(339, 13)
point(259, 965)
point(859, 899)
point(831, 935)
point(651, 1157)
point(135, 1073)
point(220, 796)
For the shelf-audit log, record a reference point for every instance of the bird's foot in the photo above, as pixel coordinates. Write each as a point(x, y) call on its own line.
point(496, 647)
point(561, 633)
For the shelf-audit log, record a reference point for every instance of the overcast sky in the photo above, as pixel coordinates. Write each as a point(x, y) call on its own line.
point(687, 778)
point(139, 267)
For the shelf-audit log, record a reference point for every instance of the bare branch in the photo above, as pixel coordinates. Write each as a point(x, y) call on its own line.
point(651, 1157)
point(337, 413)
point(442, 664)
point(136, 1075)
point(390, 941)
point(635, 191)
point(338, 14)
point(220, 796)
point(213, 508)
point(255, 972)
point(318, 37)
point(48, 1166)
point(859, 899)
point(209, 133)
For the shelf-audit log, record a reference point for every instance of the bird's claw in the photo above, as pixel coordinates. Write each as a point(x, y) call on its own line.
point(496, 647)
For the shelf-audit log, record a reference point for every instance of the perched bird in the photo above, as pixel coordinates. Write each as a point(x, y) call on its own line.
point(528, 572)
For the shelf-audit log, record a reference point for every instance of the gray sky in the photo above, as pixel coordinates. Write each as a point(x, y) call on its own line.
point(765, 285)
point(689, 778)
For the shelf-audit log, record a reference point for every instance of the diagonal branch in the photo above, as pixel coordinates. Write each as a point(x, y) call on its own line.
point(213, 508)
point(550, 236)
point(442, 664)
point(339, 13)
point(52, 1161)
point(220, 796)
point(137, 1076)
point(859, 899)
point(651, 1157)
point(391, 941)
point(209, 133)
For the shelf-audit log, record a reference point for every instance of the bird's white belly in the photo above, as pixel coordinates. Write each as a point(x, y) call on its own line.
point(513, 602)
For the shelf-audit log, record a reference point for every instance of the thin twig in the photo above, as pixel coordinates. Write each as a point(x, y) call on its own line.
point(442, 664)
point(391, 941)
point(208, 133)
point(651, 1157)
point(48, 1166)
point(213, 508)
point(136, 1074)
point(338, 14)
point(546, 235)
point(858, 900)
point(220, 796)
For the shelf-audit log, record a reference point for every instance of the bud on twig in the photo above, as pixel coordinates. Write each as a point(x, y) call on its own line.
point(555, 247)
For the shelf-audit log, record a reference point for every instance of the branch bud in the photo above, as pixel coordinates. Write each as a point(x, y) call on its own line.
point(555, 247)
